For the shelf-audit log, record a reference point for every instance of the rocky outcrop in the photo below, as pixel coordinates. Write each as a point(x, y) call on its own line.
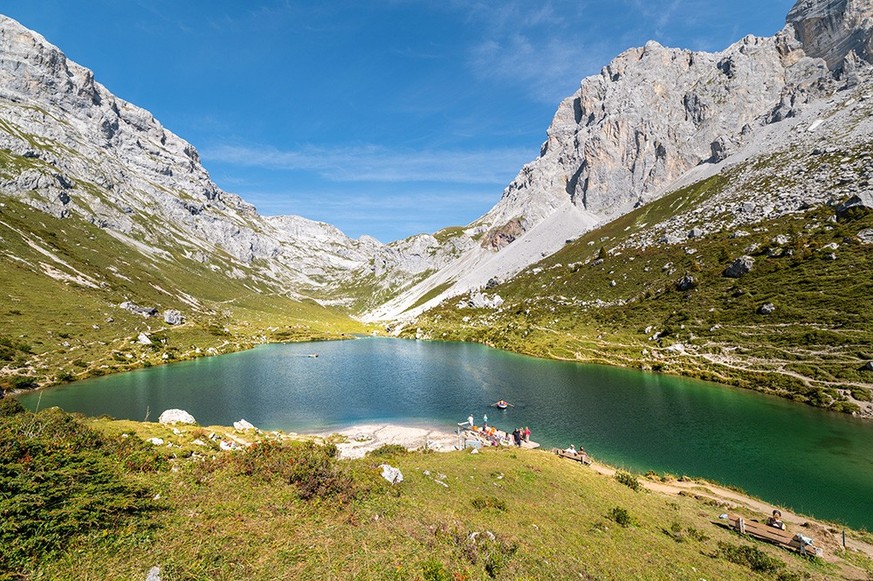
point(834, 29)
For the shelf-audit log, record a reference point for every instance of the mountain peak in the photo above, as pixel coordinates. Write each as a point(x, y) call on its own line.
point(832, 29)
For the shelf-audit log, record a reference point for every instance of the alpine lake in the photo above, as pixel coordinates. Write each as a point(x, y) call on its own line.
point(812, 461)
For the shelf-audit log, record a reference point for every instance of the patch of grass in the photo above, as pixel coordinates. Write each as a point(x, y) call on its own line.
point(751, 557)
point(61, 481)
point(432, 293)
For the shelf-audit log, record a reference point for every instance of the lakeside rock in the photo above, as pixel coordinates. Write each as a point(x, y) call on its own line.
point(176, 416)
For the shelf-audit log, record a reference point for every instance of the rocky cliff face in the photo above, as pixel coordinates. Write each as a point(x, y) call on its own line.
point(834, 29)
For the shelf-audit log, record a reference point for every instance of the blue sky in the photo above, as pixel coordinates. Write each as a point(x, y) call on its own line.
point(386, 118)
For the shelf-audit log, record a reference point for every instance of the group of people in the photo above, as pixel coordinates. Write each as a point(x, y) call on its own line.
point(521, 434)
point(776, 520)
point(571, 449)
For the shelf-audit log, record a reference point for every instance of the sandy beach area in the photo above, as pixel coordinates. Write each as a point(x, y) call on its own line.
point(366, 437)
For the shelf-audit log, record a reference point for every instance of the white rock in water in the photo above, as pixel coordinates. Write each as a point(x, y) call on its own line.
point(391, 474)
point(176, 417)
point(242, 425)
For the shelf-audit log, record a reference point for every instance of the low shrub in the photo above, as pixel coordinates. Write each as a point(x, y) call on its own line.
point(388, 450)
point(620, 516)
point(751, 557)
point(481, 503)
point(311, 467)
point(628, 480)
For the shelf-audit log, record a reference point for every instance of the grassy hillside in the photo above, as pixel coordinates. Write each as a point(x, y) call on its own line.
point(287, 508)
point(601, 299)
point(62, 283)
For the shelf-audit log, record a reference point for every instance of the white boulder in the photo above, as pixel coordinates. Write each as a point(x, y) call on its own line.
point(391, 474)
point(176, 417)
point(242, 426)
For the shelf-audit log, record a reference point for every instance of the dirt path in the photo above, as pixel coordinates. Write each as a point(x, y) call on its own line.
point(826, 537)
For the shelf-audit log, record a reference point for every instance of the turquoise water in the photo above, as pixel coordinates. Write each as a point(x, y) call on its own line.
point(815, 462)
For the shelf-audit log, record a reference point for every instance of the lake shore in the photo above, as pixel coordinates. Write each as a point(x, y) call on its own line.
point(364, 438)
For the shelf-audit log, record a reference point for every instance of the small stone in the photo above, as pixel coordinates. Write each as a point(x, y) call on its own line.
point(739, 267)
point(767, 309)
point(173, 317)
point(391, 474)
point(243, 425)
point(686, 283)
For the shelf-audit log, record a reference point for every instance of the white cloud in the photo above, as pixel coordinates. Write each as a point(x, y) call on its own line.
point(372, 163)
point(541, 48)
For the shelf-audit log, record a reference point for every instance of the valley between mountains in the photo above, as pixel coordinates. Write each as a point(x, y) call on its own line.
point(701, 214)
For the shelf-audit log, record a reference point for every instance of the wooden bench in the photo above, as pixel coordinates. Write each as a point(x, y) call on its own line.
point(582, 458)
point(772, 535)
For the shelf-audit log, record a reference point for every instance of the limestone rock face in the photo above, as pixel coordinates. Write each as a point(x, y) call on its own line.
point(832, 29)
point(650, 116)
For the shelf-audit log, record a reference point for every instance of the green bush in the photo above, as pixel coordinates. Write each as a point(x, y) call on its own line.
point(628, 480)
point(620, 516)
point(862, 394)
point(388, 450)
point(311, 467)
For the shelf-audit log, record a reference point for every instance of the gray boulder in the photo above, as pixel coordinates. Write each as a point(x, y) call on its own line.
point(391, 474)
point(858, 202)
point(686, 283)
point(173, 317)
point(739, 267)
point(139, 310)
point(767, 309)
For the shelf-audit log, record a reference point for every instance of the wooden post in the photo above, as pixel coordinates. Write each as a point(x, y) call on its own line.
point(844, 538)
point(741, 525)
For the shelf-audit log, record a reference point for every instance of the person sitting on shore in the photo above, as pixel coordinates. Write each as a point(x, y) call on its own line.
point(776, 520)
point(571, 450)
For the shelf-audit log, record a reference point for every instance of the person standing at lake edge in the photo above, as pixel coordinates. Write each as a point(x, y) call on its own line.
point(470, 420)
point(485, 421)
point(526, 434)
